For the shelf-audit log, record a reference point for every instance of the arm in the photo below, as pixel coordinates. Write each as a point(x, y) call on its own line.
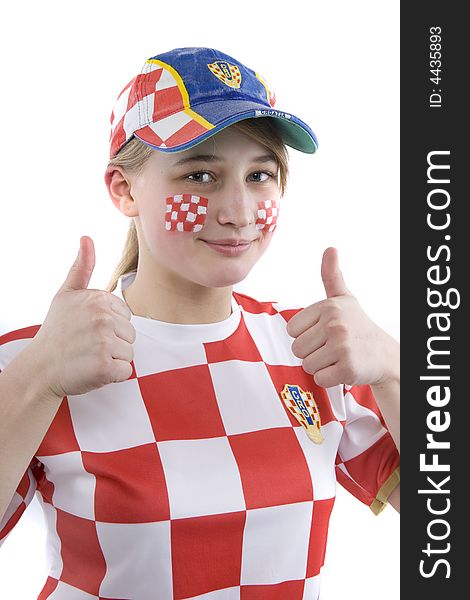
point(27, 409)
point(85, 342)
point(339, 344)
point(387, 395)
point(394, 498)
point(387, 392)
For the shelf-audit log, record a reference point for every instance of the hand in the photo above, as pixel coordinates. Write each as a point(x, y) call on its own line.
point(86, 339)
point(336, 339)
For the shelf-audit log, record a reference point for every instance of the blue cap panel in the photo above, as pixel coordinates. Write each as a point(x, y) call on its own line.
point(203, 85)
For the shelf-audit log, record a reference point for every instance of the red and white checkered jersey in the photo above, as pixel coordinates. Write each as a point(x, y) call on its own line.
point(192, 479)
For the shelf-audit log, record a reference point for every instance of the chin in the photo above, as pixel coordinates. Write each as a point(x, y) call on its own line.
point(225, 278)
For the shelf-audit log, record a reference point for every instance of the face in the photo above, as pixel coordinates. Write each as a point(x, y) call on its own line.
point(238, 177)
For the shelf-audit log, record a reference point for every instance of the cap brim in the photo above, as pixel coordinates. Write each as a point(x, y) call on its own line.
point(294, 132)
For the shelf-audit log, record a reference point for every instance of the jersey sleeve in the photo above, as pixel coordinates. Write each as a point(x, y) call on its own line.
point(21, 499)
point(368, 462)
point(11, 344)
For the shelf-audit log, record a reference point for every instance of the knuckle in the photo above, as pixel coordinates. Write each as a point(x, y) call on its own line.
point(119, 303)
point(103, 322)
point(338, 328)
point(333, 303)
point(334, 309)
point(100, 300)
point(103, 348)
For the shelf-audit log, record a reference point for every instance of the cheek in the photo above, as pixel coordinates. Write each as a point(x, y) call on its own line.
point(185, 212)
point(267, 215)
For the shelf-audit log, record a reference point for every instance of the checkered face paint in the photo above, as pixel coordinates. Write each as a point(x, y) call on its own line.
point(267, 215)
point(185, 212)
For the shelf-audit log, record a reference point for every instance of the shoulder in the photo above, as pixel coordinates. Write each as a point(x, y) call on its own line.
point(272, 307)
point(13, 342)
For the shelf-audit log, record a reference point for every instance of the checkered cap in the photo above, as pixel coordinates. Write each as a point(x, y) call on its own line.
point(186, 95)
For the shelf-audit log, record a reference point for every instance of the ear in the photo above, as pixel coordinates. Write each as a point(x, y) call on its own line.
point(119, 189)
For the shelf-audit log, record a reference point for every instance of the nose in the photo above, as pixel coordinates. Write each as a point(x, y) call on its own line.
point(237, 207)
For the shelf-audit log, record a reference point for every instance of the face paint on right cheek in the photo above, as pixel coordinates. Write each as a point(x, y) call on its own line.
point(185, 212)
point(267, 215)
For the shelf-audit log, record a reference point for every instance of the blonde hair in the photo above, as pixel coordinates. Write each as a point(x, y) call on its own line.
point(133, 156)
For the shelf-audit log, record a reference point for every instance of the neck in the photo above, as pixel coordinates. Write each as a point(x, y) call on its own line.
point(175, 301)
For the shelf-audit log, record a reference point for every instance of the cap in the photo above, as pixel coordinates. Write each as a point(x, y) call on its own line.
point(186, 95)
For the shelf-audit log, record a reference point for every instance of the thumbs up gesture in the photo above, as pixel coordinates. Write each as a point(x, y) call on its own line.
point(336, 339)
point(85, 341)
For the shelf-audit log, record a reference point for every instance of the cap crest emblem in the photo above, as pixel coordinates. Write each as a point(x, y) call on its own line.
point(226, 73)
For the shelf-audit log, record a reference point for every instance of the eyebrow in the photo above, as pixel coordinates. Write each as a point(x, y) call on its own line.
point(213, 158)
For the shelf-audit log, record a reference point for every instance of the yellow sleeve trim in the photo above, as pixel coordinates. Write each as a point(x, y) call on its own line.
point(381, 499)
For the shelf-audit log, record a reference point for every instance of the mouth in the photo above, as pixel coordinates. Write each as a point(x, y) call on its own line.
point(229, 247)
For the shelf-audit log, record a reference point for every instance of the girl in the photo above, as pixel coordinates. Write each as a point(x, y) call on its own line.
point(187, 439)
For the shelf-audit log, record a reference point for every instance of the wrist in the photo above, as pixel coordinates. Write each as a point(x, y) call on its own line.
point(32, 369)
point(391, 372)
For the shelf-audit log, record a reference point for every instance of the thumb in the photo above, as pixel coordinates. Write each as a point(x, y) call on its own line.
point(331, 275)
point(80, 273)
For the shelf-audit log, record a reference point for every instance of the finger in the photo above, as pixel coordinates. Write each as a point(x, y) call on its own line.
point(120, 307)
point(121, 370)
point(331, 275)
point(80, 272)
point(124, 330)
point(328, 377)
point(318, 360)
point(309, 341)
point(122, 350)
point(305, 318)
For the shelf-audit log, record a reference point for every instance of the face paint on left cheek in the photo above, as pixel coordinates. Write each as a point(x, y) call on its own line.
point(185, 212)
point(267, 215)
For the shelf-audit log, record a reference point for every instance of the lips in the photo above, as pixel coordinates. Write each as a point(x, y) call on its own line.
point(229, 246)
point(228, 242)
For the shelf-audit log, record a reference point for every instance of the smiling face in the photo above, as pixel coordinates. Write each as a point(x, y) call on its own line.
point(237, 176)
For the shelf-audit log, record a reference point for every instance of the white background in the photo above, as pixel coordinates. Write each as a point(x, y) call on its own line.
point(334, 65)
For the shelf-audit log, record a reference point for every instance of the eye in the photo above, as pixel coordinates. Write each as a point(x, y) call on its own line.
point(199, 177)
point(262, 176)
